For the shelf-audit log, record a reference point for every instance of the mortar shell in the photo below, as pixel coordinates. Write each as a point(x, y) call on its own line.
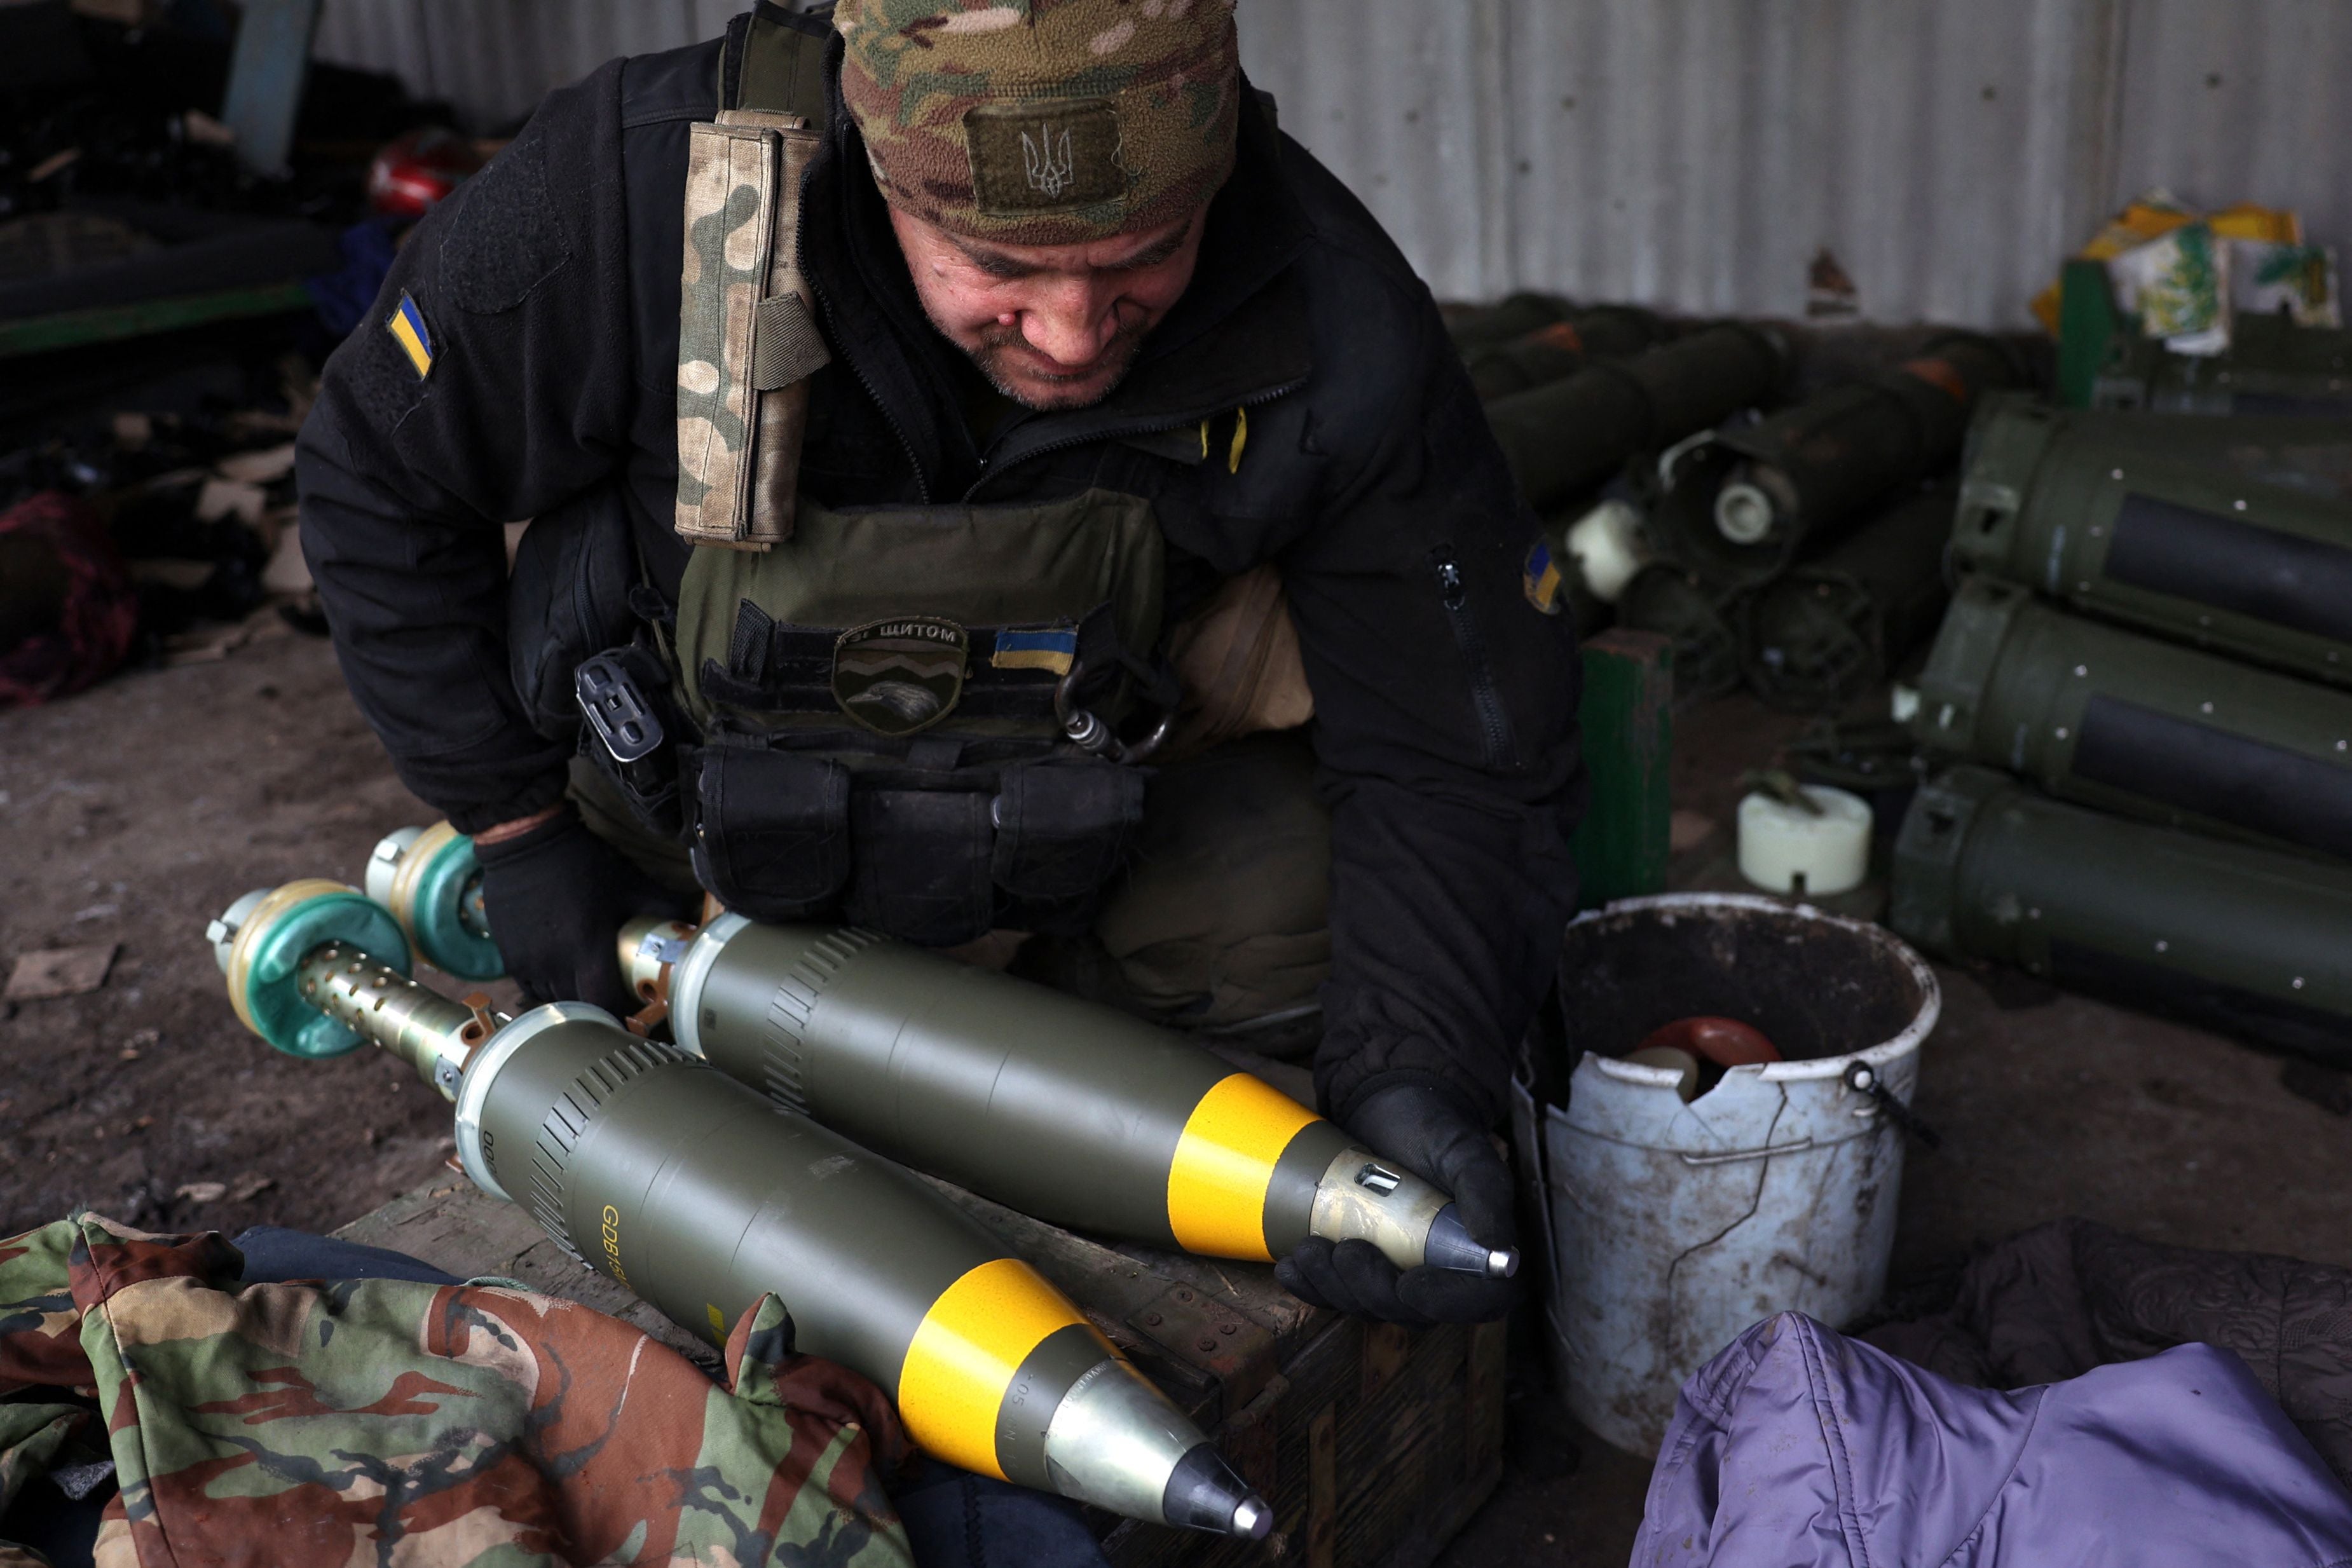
point(1064, 1109)
point(699, 1196)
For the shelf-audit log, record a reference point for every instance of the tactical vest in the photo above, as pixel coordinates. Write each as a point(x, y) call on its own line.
point(925, 719)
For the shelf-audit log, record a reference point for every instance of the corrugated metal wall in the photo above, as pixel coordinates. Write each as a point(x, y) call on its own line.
point(1695, 154)
point(495, 59)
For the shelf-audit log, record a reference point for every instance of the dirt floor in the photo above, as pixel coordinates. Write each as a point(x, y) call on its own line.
point(135, 812)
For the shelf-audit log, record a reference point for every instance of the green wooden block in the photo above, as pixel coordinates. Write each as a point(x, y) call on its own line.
point(1628, 723)
point(2091, 331)
point(110, 323)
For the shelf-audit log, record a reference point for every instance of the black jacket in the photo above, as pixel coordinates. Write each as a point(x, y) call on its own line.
point(1444, 701)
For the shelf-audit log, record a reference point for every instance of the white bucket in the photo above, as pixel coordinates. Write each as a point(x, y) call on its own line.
point(1673, 1226)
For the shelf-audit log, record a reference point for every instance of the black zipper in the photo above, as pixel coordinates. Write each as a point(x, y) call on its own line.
point(833, 335)
point(1494, 728)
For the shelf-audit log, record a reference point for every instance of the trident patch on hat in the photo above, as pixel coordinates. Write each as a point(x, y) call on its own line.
point(902, 674)
point(1049, 157)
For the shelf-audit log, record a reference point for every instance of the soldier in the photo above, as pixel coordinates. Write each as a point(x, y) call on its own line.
point(1042, 512)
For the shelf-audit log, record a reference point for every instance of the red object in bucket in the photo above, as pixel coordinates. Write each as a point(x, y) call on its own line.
point(415, 170)
point(1726, 1042)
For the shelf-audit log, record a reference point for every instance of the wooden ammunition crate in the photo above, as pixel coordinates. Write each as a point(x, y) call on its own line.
point(1374, 1444)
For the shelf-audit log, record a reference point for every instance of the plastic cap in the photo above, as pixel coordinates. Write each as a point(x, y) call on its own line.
point(384, 859)
point(1743, 514)
point(222, 932)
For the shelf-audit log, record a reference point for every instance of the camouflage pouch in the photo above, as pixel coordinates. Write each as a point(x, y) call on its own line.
point(748, 339)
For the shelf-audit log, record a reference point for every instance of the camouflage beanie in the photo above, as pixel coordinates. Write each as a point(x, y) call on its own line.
point(1043, 121)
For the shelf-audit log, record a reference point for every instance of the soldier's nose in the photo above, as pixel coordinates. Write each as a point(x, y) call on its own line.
point(1071, 327)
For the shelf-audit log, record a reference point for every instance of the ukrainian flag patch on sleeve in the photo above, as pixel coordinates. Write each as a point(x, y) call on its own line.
point(1539, 579)
point(406, 325)
point(1035, 648)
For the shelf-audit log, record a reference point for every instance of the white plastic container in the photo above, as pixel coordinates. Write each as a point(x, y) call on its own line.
point(1786, 849)
point(1673, 1226)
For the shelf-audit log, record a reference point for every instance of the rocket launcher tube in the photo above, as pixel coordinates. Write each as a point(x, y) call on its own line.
point(1066, 1111)
point(697, 1196)
point(1058, 1108)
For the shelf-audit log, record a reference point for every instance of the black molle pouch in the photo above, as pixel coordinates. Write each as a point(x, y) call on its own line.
point(771, 831)
point(633, 733)
point(921, 870)
point(1063, 828)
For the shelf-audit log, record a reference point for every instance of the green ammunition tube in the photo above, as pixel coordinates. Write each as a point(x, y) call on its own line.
point(1821, 635)
point(2111, 719)
point(2234, 535)
point(1064, 1110)
point(2273, 368)
point(1563, 439)
point(2251, 941)
point(1703, 618)
point(699, 1196)
point(1753, 500)
point(1559, 349)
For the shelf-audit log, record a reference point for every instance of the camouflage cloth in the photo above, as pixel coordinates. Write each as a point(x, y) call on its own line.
point(1044, 121)
point(381, 1421)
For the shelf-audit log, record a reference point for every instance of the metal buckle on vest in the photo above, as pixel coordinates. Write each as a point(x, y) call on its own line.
point(1086, 730)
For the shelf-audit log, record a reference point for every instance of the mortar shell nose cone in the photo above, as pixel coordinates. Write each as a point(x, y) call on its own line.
point(1450, 1245)
point(1203, 1493)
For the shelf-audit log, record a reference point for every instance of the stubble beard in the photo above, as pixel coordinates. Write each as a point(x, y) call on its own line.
point(988, 355)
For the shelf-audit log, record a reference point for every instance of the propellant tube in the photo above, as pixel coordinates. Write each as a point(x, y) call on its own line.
point(2234, 535)
point(1563, 439)
point(2251, 941)
point(1819, 635)
point(2096, 714)
point(699, 1196)
point(1750, 502)
point(1067, 1111)
point(431, 882)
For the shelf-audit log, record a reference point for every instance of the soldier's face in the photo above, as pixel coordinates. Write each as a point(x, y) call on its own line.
point(1052, 326)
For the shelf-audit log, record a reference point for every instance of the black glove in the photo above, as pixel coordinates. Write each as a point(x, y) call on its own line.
point(557, 897)
point(1427, 1132)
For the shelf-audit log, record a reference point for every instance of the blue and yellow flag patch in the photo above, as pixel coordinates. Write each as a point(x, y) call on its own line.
point(1539, 579)
point(1035, 648)
point(406, 325)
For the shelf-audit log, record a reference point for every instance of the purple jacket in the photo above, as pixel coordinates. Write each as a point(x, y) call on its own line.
point(1798, 1447)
